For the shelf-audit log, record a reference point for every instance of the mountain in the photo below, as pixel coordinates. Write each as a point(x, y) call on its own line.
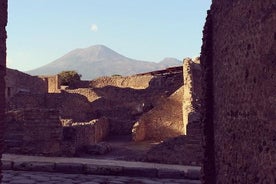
point(99, 60)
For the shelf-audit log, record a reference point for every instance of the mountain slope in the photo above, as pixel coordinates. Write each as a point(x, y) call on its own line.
point(99, 60)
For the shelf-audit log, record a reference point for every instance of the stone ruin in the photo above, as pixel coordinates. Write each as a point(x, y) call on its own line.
point(182, 149)
point(106, 106)
point(238, 102)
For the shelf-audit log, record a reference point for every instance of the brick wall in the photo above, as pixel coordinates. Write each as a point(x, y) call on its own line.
point(17, 81)
point(35, 131)
point(3, 36)
point(79, 134)
point(238, 58)
point(52, 82)
point(192, 92)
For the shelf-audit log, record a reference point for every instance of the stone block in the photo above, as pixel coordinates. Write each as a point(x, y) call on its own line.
point(193, 174)
point(169, 173)
point(140, 172)
point(75, 168)
point(103, 170)
point(34, 166)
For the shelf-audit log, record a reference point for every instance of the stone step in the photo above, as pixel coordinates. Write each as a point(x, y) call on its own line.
point(99, 167)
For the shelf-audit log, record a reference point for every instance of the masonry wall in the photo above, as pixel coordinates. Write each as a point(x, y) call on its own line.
point(3, 36)
point(66, 103)
point(33, 131)
point(79, 134)
point(17, 82)
point(183, 149)
point(162, 122)
point(135, 81)
point(192, 92)
point(52, 83)
point(238, 57)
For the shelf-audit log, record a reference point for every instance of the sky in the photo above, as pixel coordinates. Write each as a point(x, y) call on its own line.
point(41, 31)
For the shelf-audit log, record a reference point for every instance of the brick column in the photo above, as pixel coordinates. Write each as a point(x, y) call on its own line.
point(3, 36)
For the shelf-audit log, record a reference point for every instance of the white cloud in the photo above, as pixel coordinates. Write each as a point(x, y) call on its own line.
point(94, 28)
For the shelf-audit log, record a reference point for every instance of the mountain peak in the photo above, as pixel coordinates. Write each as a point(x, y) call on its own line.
point(99, 60)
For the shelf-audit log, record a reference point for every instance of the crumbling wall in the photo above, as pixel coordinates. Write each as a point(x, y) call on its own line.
point(41, 131)
point(135, 81)
point(33, 131)
point(238, 58)
point(3, 36)
point(192, 92)
point(17, 82)
point(87, 92)
point(184, 149)
point(52, 82)
point(66, 103)
point(79, 134)
point(163, 121)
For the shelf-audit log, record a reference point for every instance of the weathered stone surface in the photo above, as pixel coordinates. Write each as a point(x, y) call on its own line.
point(69, 167)
point(182, 149)
point(238, 58)
point(19, 82)
point(38, 131)
point(136, 171)
point(163, 121)
point(33, 166)
point(103, 170)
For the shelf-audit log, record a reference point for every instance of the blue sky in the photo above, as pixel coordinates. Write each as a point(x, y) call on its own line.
point(40, 31)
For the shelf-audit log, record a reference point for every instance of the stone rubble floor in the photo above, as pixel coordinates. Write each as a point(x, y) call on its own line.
point(29, 177)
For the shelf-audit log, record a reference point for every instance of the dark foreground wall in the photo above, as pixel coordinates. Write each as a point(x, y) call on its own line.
point(3, 35)
point(238, 58)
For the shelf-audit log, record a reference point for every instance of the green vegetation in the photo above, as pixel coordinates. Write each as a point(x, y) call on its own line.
point(69, 77)
point(116, 75)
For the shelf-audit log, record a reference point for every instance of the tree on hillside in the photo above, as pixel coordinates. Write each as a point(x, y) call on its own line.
point(68, 78)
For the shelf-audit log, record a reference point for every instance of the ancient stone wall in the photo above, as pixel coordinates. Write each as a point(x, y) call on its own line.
point(135, 82)
point(163, 121)
point(17, 82)
point(184, 149)
point(66, 103)
point(41, 131)
point(79, 134)
point(52, 82)
point(3, 36)
point(238, 58)
point(192, 92)
point(33, 131)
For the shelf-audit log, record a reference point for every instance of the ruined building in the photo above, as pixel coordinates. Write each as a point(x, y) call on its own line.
point(238, 60)
point(238, 109)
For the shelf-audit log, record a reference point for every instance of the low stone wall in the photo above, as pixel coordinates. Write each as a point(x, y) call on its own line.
point(41, 132)
point(135, 81)
point(79, 134)
point(36, 131)
point(87, 92)
point(66, 103)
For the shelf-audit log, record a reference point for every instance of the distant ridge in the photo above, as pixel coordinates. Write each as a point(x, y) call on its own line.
point(99, 60)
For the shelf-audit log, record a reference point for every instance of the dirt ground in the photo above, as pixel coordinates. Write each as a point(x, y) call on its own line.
point(123, 148)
